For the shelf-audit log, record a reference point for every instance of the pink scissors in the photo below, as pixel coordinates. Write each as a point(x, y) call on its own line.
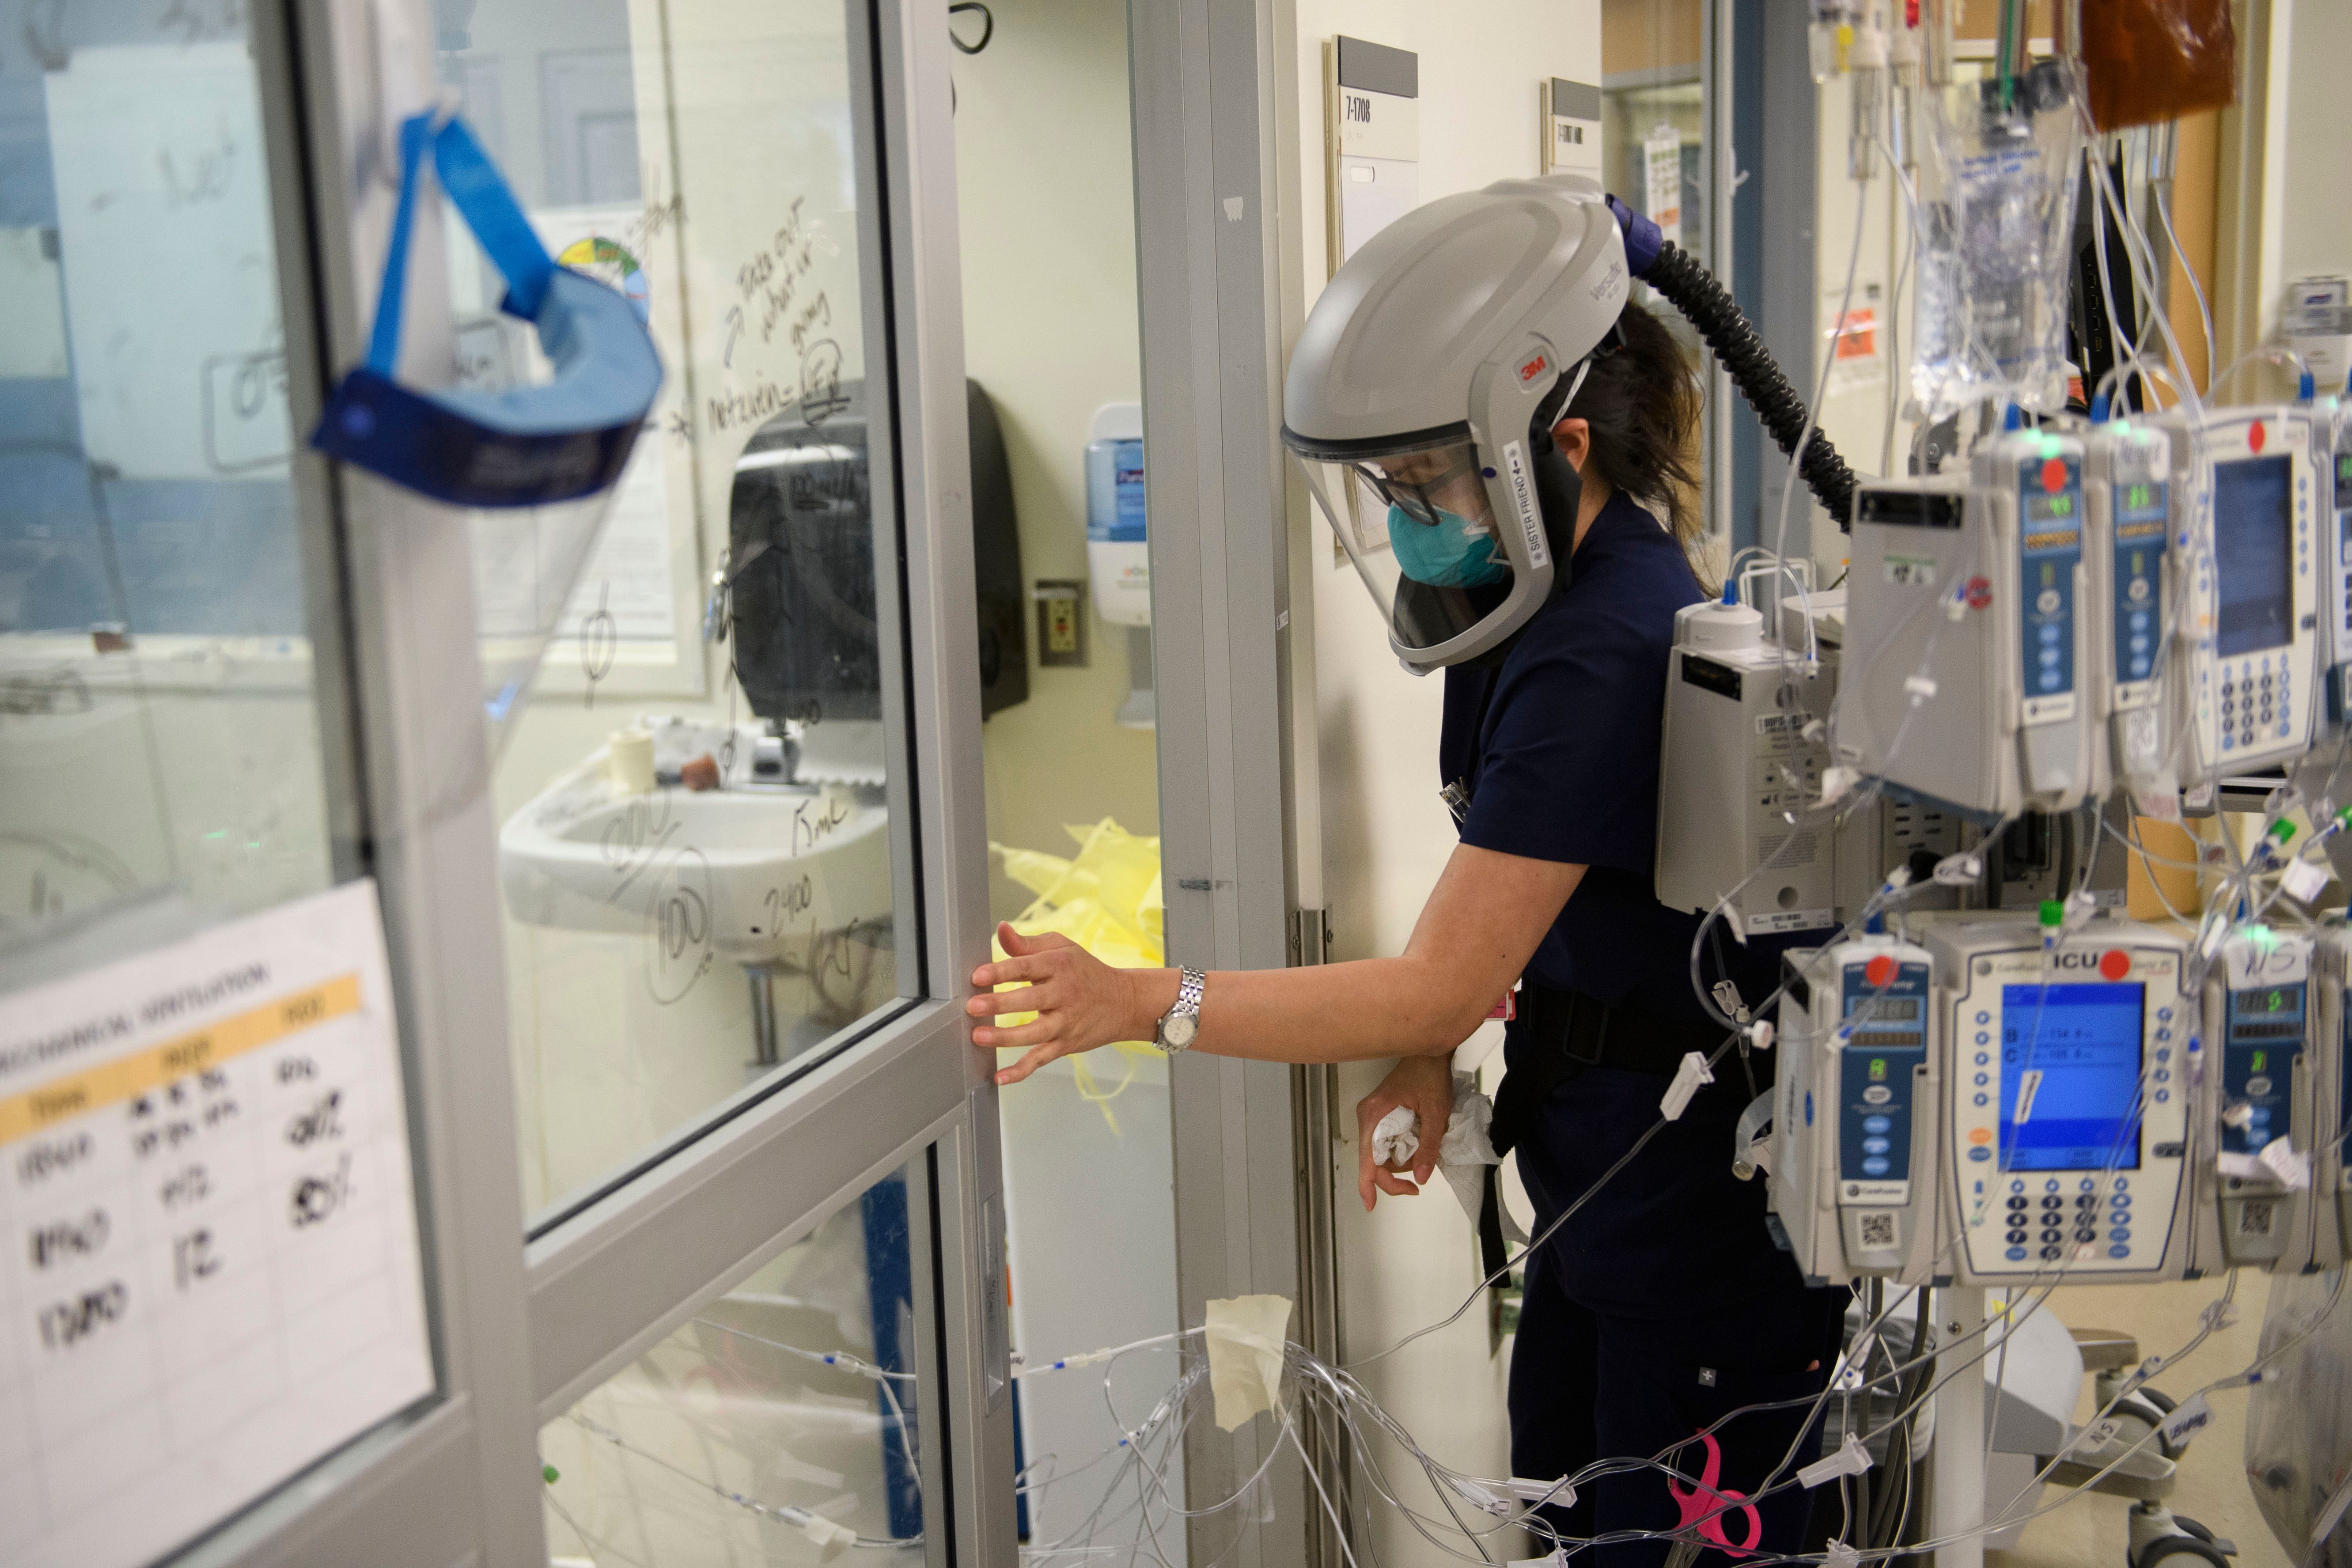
point(1699, 1505)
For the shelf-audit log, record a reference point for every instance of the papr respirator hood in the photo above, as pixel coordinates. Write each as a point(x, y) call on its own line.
point(1422, 392)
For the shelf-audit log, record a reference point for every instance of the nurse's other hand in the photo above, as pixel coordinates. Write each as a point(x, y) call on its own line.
point(1081, 1001)
point(1425, 1085)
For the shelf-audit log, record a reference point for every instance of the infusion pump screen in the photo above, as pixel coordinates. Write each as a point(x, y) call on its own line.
point(2070, 1058)
point(1880, 1022)
point(2253, 531)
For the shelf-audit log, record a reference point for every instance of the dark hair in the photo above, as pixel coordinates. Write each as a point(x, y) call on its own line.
point(1642, 403)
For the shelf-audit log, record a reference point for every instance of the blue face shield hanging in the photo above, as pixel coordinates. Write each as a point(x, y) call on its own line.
point(532, 469)
point(522, 447)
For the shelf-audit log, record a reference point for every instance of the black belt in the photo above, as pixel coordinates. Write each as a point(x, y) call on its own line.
point(1557, 1036)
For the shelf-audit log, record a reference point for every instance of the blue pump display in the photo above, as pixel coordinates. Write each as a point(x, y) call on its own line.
point(528, 446)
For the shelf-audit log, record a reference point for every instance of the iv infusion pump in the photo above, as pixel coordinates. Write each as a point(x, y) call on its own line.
point(2254, 1114)
point(2337, 612)
point(2254, 646)
point(2030, 1116)
point(2068, 1102)
point(1967, 647)
point(1855, 1117)
point(2127, 545)
point(1975, 1108)
point(2332, 1085)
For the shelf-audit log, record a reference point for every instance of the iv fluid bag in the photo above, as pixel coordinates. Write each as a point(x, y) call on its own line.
point(1997, 176)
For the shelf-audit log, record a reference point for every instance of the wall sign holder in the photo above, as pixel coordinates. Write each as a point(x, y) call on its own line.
point(1371, 97)
point(1570, 113)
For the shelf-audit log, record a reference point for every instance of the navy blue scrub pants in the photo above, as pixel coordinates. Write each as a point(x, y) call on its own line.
point(1659, 1308)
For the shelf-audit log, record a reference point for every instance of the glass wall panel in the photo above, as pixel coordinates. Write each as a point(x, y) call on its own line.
point(159, 733)
point(1051, 334)
point(695, 842)
point(783, 1423)
point(211, 1274)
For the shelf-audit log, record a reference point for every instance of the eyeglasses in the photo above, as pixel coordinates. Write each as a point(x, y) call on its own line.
point(1415, 497)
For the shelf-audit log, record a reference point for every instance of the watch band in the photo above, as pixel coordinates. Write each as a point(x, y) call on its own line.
point(1187, 1008)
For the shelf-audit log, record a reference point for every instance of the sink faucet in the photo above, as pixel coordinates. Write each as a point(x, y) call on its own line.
point(715, 607)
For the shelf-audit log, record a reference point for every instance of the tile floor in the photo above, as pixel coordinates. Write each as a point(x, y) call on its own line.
point(2089, 1532)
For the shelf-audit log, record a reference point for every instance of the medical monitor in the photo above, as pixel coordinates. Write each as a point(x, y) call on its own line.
point(2070, 1076)
point(2253, 555)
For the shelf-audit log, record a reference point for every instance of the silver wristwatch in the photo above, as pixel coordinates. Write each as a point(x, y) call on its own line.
point(1181, 1022)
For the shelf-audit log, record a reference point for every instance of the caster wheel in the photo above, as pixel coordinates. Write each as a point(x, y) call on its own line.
point(2184, 1551)
point(2143, 1405)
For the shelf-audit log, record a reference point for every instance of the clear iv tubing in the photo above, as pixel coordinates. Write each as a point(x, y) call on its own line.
point(2204, 311)
point(1442, 1477)
point(2273, 354)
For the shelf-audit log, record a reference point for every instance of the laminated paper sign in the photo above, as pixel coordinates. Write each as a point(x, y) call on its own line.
point(212, 1276)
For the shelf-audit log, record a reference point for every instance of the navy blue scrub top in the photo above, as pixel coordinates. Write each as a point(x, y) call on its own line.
point(1566, 769)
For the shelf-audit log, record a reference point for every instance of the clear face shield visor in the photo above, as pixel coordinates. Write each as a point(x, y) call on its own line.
point(1418, 525)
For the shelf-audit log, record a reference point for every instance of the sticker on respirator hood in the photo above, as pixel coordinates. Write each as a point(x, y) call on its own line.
point(1522, 495)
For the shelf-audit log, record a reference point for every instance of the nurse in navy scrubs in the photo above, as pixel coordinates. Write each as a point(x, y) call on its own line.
point(1663, 1305)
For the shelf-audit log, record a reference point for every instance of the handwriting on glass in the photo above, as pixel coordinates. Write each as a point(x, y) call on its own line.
point(678, 921)
point(811, 829)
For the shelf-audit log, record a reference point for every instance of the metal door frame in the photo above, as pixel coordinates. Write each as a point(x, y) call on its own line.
point(1215, 132)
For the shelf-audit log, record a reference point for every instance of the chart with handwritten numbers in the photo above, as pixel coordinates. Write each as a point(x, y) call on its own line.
point(211, 1275)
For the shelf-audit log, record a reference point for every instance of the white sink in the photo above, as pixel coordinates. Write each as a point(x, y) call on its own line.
point(769, 875)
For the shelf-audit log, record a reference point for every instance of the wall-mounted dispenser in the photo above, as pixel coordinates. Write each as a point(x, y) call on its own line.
point(1118, 555)
point(801, 545)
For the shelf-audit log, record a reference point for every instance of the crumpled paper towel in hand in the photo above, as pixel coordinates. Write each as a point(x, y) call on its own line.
point(1397, 1137)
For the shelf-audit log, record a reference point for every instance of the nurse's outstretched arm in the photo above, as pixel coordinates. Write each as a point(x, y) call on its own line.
point(1475, 934)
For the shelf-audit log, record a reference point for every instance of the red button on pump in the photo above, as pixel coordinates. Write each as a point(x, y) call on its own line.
point(1879, 971)
point(1980, 592)
point(2053, 474)
point(2114, 963)
point(2256, 437)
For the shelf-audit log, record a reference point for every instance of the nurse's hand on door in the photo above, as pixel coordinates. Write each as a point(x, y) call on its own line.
point(1423, 1085)
point(1081, 1002)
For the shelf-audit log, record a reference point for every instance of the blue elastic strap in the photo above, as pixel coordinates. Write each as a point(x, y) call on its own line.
point(384, 341)
point(490, 210)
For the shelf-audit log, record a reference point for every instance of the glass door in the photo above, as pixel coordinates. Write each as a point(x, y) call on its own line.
point(1052, 351)
point(631, 1138)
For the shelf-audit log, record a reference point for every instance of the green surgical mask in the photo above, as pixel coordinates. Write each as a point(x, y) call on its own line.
point(1448, 554)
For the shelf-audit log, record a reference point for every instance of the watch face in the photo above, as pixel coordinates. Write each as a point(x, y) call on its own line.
point(1178, 1029)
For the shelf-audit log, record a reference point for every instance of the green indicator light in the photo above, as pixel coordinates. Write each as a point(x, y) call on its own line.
point(1877, 1068)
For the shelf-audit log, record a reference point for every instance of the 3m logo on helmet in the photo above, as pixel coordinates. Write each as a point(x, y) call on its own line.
point(1534, 365)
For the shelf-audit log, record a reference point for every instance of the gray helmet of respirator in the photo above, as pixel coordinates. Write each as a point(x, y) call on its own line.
point(1421, 396)
point(1414, 397)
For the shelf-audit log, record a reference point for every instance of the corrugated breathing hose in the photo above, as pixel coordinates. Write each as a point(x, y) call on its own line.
point(1678, 278)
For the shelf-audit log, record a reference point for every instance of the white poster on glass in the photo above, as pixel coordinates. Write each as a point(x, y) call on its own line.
point(213, 1277)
